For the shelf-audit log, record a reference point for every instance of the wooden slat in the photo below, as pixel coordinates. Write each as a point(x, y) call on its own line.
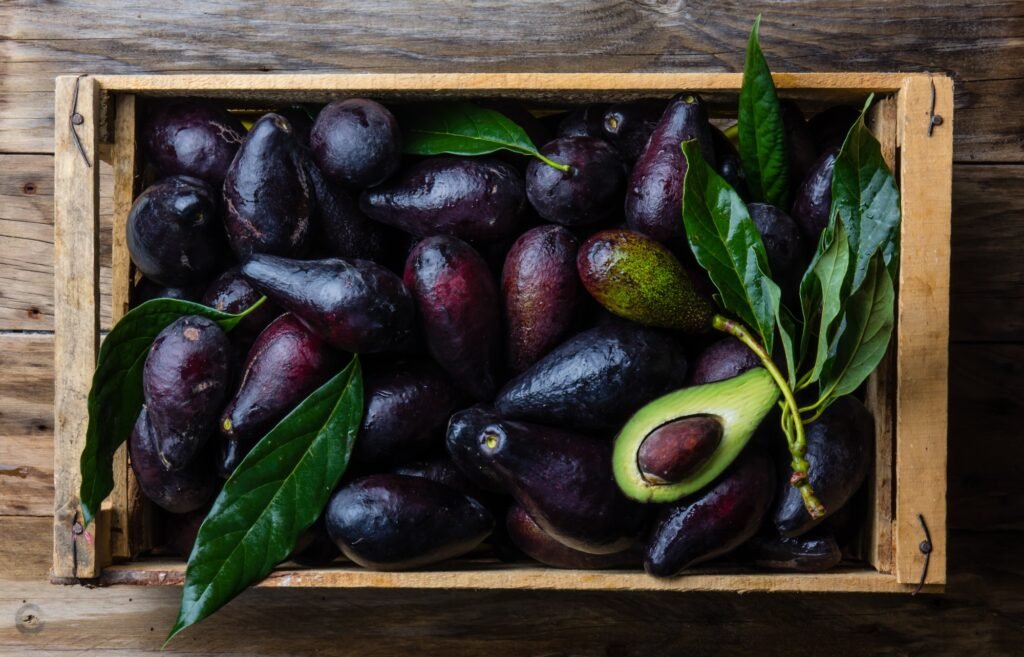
point(76, 316)
point(979, 42)
point(923, 326)
point(880, 395)
point(25, 547)
point(125, 189)
point(979, 615)
point(26, 242)
point(26, 425)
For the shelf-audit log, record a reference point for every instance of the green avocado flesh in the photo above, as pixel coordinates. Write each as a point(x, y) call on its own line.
point(739, 403)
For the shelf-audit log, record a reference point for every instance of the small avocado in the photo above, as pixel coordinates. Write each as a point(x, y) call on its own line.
point(738, 404)
point(638, 278)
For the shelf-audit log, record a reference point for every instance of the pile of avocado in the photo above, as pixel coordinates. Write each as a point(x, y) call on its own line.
point(540, 379)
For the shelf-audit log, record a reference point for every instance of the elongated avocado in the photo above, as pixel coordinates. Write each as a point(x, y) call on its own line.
point(739, 404)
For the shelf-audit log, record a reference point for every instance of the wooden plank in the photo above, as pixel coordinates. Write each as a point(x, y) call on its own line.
point(76, 316)
point(25, 547)
point(487, 574)
point(978, 42)
point(26, 425)
point(26, 242)
point(987, 279)
point(880, 395)
point(923, 326)
point(986, 454)
point(982, 613)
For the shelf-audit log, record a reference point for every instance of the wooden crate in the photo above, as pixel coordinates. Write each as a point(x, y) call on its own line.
point(907, 395)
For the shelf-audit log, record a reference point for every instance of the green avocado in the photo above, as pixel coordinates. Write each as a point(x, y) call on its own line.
point(739, 404)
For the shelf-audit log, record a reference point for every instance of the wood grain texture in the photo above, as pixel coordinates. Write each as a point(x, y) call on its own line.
point(26, 242)
point(25, 548)
point(975, 42)
point(922, 327)
point(26, 425)
point(982, 613)
point(76, 317)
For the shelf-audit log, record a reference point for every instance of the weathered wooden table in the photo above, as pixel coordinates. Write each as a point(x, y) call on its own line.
point(982, 45)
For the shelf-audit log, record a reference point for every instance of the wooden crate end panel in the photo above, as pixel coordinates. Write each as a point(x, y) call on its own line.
point(76, 313)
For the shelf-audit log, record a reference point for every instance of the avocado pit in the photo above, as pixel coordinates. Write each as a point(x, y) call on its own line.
point(679, 448)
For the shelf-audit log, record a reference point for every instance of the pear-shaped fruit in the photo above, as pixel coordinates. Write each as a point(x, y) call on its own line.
point(596, 379)
point(737, 405)
point(268, 197)
point(356, 142)
point(638, 278)
point(177, 491)
point(562, 479)
point(355, 305)
point(805, 554)
point(397, 522)
point(715, 522)
point(530, 537)
point(191, 137)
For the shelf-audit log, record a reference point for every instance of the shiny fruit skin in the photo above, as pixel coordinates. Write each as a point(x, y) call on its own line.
point(356, 142)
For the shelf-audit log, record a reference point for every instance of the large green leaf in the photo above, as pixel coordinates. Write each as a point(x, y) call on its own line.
point(463, 129)
point(762, 134)
point(863, 335)
point(274, 495)
point(867, 201)
point(821, 294)
point(115, 397)
point(728, 245)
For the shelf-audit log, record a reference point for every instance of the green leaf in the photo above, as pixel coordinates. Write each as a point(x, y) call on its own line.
point(867, 201)
point(822, 293)
point(115, 397)
point(275, 494)
point(762, 134)
point(863, 335)
point(728, 245)
point(786, 324)
point(464, 129)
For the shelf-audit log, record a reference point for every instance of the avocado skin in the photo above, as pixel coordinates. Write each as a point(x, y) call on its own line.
point(722, 360)
point(284, 365)
point(628, 126)
point(407, 405)
point(457, 302)
point(655, 190)
point(177, 491)
point(564, 480)
point(474, 198)
point(638, 278)
point(341, 229)
point(830, 127)
point(596, 379)
point(231, 292)
point(184, 384)
point(541, 293)
point(805, 554)
point(729, 165)
point(191, 137)
point(355, 305)
point(443, 470)
point(356, 142)
point(174, 232)
point(840, 445)
point(784, 246)
point(813, 199)
point(586, 121)
point(146, 290)
point(590, 193)
point(537, 544)
point(268, 197)
point(714, 522)
point(397, 522)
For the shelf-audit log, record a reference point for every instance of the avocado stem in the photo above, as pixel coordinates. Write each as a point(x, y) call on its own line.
point(546, 160)
point(792, 423)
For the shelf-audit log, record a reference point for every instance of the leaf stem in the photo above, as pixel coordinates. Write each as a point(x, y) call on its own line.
point(792, 424)
point(558, 165)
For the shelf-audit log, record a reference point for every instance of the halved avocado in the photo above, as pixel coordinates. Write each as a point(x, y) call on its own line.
point(739, 404)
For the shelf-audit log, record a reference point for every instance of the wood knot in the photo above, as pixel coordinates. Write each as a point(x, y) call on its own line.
point(29, 619)
point(28, 188)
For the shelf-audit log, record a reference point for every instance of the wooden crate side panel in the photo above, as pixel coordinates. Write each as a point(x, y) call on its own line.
point(880, 394)
point(76, 315)
point(125, 167)
point(923, 320)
